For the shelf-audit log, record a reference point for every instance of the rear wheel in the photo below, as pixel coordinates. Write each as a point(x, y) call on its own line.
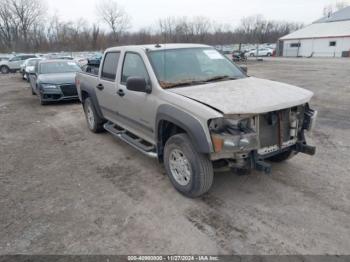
point(4, 69)
point(94, 122)
point(190, 172)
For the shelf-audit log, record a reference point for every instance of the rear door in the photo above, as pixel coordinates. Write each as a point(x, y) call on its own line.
point(15, 62)
point(106, 89)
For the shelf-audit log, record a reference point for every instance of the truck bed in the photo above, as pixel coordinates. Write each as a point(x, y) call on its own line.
point(87, 80)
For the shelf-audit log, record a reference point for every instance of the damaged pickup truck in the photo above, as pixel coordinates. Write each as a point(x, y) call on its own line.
point(194, 110)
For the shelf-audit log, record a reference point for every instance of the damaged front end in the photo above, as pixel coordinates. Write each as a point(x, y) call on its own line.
point(246, 142)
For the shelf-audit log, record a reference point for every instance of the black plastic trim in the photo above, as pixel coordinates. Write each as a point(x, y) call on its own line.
point(185, 121)
point(92, 95)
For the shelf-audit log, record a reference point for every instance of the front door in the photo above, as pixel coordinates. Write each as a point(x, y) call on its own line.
point(136, 109)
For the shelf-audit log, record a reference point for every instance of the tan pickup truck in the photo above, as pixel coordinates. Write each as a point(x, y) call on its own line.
point(195, 110)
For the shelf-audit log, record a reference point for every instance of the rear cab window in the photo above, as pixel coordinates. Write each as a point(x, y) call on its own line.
point(110, 65)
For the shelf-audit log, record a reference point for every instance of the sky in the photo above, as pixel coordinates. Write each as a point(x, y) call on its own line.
point(145, 13)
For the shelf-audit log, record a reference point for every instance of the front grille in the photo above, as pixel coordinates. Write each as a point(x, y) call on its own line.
point(69, 90)
point(270, 131)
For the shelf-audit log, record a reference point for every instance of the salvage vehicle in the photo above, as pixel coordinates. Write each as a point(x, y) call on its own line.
point(195, 110)
point(54, 80)
point(14, 63)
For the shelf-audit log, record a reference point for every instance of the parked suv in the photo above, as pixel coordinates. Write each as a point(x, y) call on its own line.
point(14, 63)
point(194, 110)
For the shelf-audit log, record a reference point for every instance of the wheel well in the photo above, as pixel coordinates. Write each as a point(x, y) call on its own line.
point(166, 129)
point(84, 95)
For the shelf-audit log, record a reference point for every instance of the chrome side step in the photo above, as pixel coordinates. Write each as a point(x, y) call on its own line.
point(131, 139)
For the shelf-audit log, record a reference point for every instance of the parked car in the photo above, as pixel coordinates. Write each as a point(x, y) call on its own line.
point(261, 52)
point(14, 63)
point(238, 56)
point(54, 80)
point(193, 109)
point(28, 67)
point(4, 58)
point(93, 65)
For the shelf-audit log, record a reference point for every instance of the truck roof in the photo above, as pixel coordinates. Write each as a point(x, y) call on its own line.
point(154, 47)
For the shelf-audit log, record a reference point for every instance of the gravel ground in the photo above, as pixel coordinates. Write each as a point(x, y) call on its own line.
point(65, 190)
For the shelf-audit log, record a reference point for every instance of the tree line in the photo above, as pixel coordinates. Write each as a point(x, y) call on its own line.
point(26, 27)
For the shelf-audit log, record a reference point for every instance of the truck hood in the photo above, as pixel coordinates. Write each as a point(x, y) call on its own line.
point(246, 96)
point(57, 79)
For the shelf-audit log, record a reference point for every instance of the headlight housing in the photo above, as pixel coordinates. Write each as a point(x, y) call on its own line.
point(232, 135)
point(49, 86)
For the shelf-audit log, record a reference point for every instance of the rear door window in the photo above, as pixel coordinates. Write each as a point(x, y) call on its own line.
point(110, 64)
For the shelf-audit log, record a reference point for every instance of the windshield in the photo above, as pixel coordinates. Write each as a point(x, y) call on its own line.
point(189, 66)
point(58, 67)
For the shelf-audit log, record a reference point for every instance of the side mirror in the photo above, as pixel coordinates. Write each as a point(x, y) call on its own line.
point(138, 84)
point(244, 68)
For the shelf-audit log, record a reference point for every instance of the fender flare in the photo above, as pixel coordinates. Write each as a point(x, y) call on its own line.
point(191, 125)
point(93, 97)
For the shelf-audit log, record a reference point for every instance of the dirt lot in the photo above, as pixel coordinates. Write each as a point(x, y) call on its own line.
point(66, 190)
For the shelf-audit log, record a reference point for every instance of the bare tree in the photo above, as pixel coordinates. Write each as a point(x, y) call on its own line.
point(341, 5)
point(114, 16)
point(7, 25)
point(167, 28)
point(328, 10)
point(27, 13)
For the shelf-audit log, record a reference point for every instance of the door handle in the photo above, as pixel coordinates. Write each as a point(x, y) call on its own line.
point(121, 92)
point(100, 87)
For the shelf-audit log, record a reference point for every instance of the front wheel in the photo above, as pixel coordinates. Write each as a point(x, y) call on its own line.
point(42, 102)
point(5, 70)
point(94, 122)
point(190, 172)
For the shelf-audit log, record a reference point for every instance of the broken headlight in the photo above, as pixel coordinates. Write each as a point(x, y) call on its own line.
point(233, 134)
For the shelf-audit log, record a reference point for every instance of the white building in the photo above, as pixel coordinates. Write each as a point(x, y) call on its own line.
point(327, 37)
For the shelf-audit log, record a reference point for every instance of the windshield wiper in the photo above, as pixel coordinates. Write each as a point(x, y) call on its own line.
point(217, 78)
point(181, 83)
point(195, 82)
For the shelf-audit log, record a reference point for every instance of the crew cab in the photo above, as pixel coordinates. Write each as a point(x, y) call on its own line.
point(194, 110)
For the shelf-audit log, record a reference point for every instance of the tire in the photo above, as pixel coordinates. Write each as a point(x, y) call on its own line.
point(94, 122)
point(282, 156)
point(42, 102)
point(251, 55)
point(4, 69)
point(199, 168)
point(268, 54)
